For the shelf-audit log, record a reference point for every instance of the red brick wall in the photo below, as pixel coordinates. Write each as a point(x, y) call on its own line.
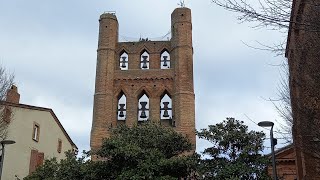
point(304, 63)
point(12, 95)
point(111, 81)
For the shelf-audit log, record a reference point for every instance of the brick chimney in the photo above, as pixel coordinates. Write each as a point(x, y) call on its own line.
point(12, 95)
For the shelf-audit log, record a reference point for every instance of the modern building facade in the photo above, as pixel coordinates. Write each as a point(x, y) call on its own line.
point(144, 80)
point(38, 134)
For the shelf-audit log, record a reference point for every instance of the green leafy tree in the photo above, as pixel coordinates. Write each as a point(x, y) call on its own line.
point(146, 151)
point(71, 168)
point(235, 153)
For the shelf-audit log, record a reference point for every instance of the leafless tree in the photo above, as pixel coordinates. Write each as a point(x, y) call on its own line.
point(303, 52)
point(272, 15)
point(283, 104)
point(6, 81)
point(269, 14)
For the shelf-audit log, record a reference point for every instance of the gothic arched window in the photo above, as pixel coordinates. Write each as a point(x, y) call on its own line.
point(165, 60)
point(122, 109)
point(143, 110)
point(166, 107)
point(124, 63)
point(144, 60)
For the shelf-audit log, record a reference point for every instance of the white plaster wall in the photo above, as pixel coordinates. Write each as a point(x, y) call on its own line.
point(17, 156)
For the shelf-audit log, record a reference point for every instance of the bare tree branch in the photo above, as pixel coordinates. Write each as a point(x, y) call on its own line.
point(272, 15)
point(266, 13)
point(6, 81)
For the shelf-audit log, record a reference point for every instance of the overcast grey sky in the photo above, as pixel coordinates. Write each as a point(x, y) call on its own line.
point(51, 48)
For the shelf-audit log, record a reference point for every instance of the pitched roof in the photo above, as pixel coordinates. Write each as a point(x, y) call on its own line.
point(282, 152)
point(25, 106)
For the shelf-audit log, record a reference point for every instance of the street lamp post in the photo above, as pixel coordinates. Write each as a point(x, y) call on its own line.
point(4, 142)
point(270, 124)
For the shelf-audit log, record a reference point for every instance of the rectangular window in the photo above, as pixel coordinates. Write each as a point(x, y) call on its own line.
point(36, 160)
point(36, 132)
point(59, 145)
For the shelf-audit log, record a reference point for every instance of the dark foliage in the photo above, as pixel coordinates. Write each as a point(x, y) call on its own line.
point(146, 151)
point(235, 152)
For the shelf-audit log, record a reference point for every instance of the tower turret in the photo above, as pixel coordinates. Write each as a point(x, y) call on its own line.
point(182, 53)
point(107, 43)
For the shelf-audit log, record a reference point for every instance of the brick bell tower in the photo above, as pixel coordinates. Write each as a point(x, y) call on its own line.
point(144, 80)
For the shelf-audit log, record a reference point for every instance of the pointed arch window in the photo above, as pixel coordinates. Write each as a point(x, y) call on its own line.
point(124, 61)
point(165, 60)
point(166, 107)
point(122, 109)
point(144, 60)
point(143, 110)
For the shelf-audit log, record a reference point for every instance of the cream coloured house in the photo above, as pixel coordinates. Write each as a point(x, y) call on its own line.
point(38, 135)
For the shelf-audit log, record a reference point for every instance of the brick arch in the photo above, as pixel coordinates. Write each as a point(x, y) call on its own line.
point(143, 90)
point(167, 64)
point(163, 91)
point(117, 107)
point(122, 49)
point(169, 106)
point(118, 91)
point(144, 50)
point(118, 61)
point(164, 49)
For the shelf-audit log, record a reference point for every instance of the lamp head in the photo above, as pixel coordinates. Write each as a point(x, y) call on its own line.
point(265, 124)
point(7, 142)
